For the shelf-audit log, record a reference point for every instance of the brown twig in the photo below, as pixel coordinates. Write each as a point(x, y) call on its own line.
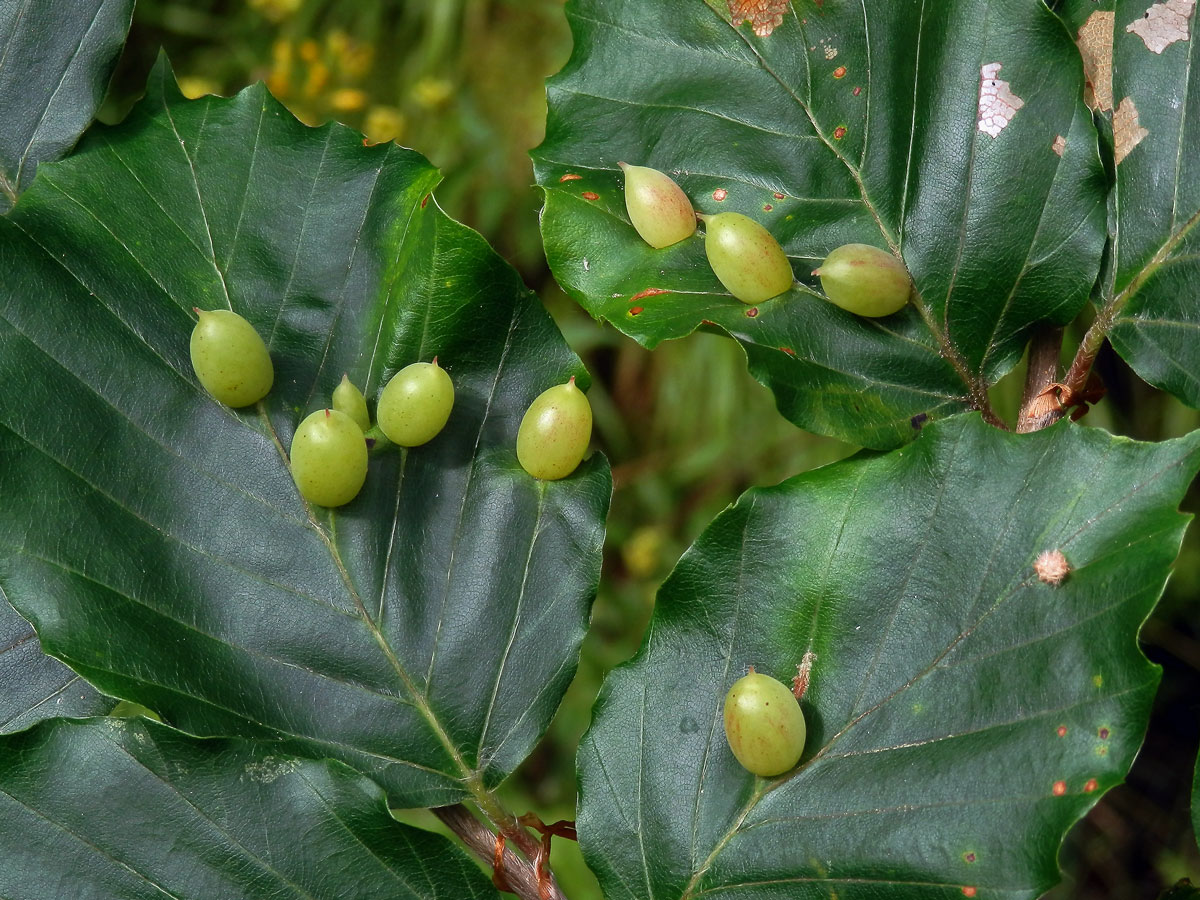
point(515, 875)
point(1040, 402)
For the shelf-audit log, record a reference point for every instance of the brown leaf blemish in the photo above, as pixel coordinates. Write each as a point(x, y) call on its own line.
point(1060, 788)
point(1062, 731)
point(997, 103)
point(839, 72)
point(570, 176)
point(1059, 145)
point(968, 890)
point(590, 195)
point(969, 856)
point(788, 350)
point(839, 132)
point(752, 312)
point(648, 292)
point(424, 200)
point(720, 194)
point(763, 15)
point(918, 420)
point(857, 90)
point(767, 207)
point(634, 310)
point(1090, 785)
point(777, 195)
point(1163, 24)
point(1103, 733)
point(1127, 130)
point(1095, 42)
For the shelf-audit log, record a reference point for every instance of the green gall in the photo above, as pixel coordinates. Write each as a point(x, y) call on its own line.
point(415, 404)
point(329, 458)
point(229, 358)
point(349, 399)
point(865, 280)
point(745, 257)
point(555, 432)
point(764, 725)
point(658, 208)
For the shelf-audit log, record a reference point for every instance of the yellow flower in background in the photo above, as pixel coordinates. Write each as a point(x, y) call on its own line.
point(310, 51)
point(318, 78)
point(280, 77)
point(384, 123)
point(430, 92)
point(355, 59)
point(275, 10)
point(193, 86)
point(348, 99)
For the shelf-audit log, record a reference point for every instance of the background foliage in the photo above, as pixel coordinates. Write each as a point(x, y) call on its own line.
point(686, 428)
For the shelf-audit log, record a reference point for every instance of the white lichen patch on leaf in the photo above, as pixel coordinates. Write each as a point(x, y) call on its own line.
point(270, 768)
point(997, 103)
point(831, 52)
point(763, 15)
point(1163, 24)
point(1059, 145)
point(1095, 42)
point(1127, 130)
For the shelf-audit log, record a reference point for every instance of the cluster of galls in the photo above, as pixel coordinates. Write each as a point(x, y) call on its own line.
point(329, 448)
point(748, 260)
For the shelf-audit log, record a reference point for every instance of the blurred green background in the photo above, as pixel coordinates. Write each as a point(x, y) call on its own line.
point(685, 427)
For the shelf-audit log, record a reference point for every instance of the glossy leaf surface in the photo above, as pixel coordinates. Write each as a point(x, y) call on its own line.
point(961, 713)
point(869, 123)
point(55, 62)
point(148, 813)
point(33, 686)
point(1156, 201)
point(425, 632)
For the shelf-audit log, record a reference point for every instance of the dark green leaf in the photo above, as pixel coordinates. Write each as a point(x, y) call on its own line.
point(113, 808)
point(32, 685)
point(1182, 890)
point(962, 714)
point(55, 62)
point(847, 123)
point(424, 633)
point(1156, 131)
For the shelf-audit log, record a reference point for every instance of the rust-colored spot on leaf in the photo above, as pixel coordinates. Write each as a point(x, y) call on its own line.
point(763, 15)
point(648, 292)
point(1163, 24)
point(1127, 131)
point(1059, 145)
point(778, 196)
point(634, 310)
point(720, 194)
point(997, 103)
point(767, 207)
point(839, 72)
point(857, 90)
point(1095, 42)
point(570, 176)
point(1103, 732)
point(1090, 785)
point(839, 132)
point(968, 891)
point(1060, 788)
point(752, 312)
point(424, 200)
point(590, 195)
point(969, 856)
point(788, 350)
point(1062, 730)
